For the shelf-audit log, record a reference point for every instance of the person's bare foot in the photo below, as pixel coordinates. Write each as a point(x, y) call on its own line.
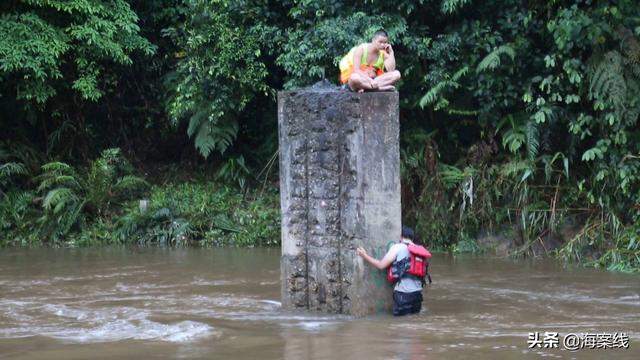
point(387, 88)
point(360, 90)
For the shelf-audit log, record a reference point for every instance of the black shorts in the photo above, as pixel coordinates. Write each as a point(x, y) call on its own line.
point(406, 303)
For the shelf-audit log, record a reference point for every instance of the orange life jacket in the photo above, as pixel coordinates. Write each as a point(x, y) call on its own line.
point(346, 63)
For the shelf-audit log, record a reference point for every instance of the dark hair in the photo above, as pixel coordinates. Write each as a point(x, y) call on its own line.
point(380, 32)
point(408, 233)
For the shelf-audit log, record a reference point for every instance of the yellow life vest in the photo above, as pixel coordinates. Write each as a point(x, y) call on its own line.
point(346, 63)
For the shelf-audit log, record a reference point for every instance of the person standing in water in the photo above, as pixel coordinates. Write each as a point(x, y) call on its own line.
point(370, 66)
point(407, 292)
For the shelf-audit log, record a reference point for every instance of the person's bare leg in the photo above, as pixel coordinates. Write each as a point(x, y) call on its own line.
point(359, 82)
point(386, 80)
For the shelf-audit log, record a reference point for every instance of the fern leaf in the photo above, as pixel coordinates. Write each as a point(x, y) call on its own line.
point(533, 139)
point(631, 48)
point(434, 94)
point(70, 218)
point(451, 175)
point(514, 168)
point(451, 6)
point(492, 60)
point(195, 122)
point(65, 180)
point(460, 73)
point(205, 143)
point(162, 214)
point(11, 169)
point(129, 183)
point(58, 198)
point(513, 139)
point(606, 81)
point(56, 137)
point(49, 181)
point(56, 166)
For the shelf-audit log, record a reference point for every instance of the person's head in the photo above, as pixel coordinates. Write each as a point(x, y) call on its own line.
point(409, 234)
point(380, 39)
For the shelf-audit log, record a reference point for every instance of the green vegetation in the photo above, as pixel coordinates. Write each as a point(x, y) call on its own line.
point(206, 213)
point(519, 119)
point(101, 205)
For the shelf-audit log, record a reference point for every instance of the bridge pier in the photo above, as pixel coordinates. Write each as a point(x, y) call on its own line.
point(339, 189)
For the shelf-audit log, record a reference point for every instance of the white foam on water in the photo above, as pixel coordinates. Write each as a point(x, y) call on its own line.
point(99, 325)
point(315, 325)
point(204, 282)
point(124, 329)
point(558, 296)
point(143, 287)
point(272, 302)
point(70, 278)
point(264, 283)
point(94, 318)
point(15, 309)
point(120, 274)
point(225, 301)
point(28, 283)
point(64, 311)
point(85, 324)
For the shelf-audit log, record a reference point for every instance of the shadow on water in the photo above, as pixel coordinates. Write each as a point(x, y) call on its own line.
point(224, 303)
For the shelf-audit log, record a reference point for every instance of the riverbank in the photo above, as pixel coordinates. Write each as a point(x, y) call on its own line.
point(111, 202)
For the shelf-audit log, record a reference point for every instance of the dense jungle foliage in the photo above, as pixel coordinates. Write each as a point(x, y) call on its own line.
point(519, 119)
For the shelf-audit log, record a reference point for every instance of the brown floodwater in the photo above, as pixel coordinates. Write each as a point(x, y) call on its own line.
point(157, 303)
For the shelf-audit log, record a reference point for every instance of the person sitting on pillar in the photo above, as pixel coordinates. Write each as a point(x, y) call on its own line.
point(407, 292)
point(376, 68)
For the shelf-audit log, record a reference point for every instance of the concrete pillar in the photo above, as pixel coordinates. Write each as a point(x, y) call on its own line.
point(339, 189)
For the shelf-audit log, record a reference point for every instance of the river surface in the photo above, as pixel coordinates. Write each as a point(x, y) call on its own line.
point(155, 303)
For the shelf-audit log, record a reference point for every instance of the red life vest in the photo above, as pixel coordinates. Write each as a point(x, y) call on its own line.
point(415, 265)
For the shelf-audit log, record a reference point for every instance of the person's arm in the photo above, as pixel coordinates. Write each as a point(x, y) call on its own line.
point(390, 60)
point(357, 56)
point(380, 264)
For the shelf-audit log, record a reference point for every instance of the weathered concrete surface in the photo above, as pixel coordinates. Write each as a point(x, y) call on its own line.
point(339, 189)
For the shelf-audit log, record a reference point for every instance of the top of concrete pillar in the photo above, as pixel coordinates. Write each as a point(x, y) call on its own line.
point(325, 86)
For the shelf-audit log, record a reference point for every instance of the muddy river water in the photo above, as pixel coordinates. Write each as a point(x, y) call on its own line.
point(155, 303)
